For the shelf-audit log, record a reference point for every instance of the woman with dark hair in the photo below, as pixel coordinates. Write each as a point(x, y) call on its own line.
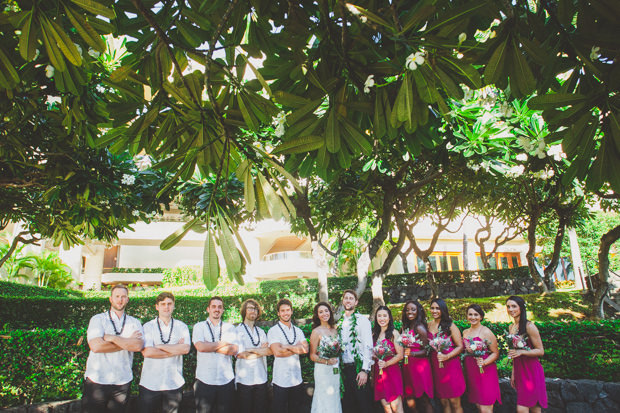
point(417, 373)
point(482, 379)
point(326, 396)
point(388, 378)
point(447, 371)
point(528, 376)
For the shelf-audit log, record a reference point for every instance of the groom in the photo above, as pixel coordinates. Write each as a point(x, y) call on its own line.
point(356, 334)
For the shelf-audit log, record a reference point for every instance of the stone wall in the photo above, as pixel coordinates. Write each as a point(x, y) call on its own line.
point(570, 396)
point(517, 286)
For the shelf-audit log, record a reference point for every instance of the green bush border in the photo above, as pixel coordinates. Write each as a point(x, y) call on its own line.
point(49, 364)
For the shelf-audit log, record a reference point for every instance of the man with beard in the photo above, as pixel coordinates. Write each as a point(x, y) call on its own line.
point(113, 337)
point(287, 342)
point(356, 334)
point(251, 367)
point(166, 340)
point(215, 342)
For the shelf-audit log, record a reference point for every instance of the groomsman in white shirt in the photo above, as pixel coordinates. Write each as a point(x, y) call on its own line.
point(113, 337)
point(287, 342)
point(215, 342)
point(166, 340)
point(251, 366)
point(356, 334)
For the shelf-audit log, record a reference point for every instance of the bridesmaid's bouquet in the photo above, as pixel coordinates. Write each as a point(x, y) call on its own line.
point(408, 340)
point(382, 351)
point(476, 348)
point(440, 343)
point(329, 348)
point(517, 342)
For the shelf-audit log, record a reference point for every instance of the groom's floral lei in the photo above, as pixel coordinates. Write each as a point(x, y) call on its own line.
point(353, 339)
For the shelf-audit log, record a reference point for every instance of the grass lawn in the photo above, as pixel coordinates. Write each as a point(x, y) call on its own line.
point(557, 306)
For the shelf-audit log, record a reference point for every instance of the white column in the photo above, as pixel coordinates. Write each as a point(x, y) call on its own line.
point(73, 258)
point(576, 259)
point(93, 268)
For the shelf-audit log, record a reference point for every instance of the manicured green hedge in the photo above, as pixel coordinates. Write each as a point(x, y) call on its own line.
point(11, 289)
point(49, 364)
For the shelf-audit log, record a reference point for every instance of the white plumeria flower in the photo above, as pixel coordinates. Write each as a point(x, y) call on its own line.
point(556, 152)
point(135, 213)
point(594, 53)
point(540, 150)
point(414, 60)
point(143, 162)
point(79, 48)
point(53, 99)
point(449, 145)
point(516, 171)
point(505, 109)
point(49, 71)
point(370, 82)
point(93, 53)
point(353, 10)
point(128, 179)
point(462, 37)
point(521, 157)
point(279, 121)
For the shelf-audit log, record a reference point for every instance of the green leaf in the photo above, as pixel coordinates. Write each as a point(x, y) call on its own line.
point(211, 264)
point(379, 118)
point(248, 117)
point(555, 100)
point(457, 14)
point(95, 8)
point(248, 191)
point(86, 31)
point(303, 111)
point(28, 39)
point(273, 201)
point(332, 132)
point(465, 70)
point(356, 137)
point(174, 238)
point(495, 65)
point(284, 173)
point(372, 16)
point(614, 122)
point(228, 247)
point(64, 43)
point(301, 144)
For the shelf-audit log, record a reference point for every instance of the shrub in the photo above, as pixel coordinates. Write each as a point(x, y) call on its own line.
point(12, 289)
point(49, 364)
point(179, 276)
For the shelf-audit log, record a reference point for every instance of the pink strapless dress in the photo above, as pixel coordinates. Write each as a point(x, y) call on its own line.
point(449, 380)
point(530, 381)
point(389, 385)
point(418, 375)
point(482, 388)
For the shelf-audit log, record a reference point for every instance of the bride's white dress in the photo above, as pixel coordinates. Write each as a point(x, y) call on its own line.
point(326, 398)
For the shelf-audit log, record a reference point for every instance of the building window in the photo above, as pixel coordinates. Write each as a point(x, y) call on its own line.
point(443, 261)
point(504, 259)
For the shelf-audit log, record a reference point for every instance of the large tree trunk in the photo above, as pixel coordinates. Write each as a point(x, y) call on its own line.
point(479, 239)
point(607, 241)
point(531, 252)
point(320, 259)
point(557, 249)
point(576, 259)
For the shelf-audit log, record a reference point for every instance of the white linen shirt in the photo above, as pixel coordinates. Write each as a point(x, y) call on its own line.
point(364, 345)
point(286, 370)
point(167, 373)
point(214, 368)
point(110, 368)
point(253, 371)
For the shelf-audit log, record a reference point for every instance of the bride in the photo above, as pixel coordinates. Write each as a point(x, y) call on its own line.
point(326, 398)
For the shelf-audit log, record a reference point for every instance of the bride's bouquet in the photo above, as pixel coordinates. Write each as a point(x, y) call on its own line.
point(382, 351)
point(329, 348)
point(408, 340)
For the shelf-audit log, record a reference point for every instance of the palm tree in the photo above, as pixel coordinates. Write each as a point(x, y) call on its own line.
point(13, 266)
point(50, 271)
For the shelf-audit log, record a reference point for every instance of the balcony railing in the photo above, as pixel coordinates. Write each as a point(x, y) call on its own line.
point(287, 255)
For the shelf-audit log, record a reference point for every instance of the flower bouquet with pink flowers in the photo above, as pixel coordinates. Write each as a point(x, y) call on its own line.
point(440, 343)
point(328, 348)
point(517, 342)
point(476, 348)
point(382, 351)
point(408, 340)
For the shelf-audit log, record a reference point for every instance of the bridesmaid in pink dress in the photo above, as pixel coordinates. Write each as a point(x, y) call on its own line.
point(482, 388)
point(528, 376)
point(417, 374)
point(389, 384)
point(449, 381)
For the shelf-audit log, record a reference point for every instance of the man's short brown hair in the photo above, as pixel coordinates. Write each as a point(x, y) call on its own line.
point(244, 308)
point(215, 298)
point(119, 286)
point(284, 301)
point(161, 297)
point(352, 292)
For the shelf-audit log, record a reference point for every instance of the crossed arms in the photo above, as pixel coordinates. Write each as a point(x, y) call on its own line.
point(111, 343)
